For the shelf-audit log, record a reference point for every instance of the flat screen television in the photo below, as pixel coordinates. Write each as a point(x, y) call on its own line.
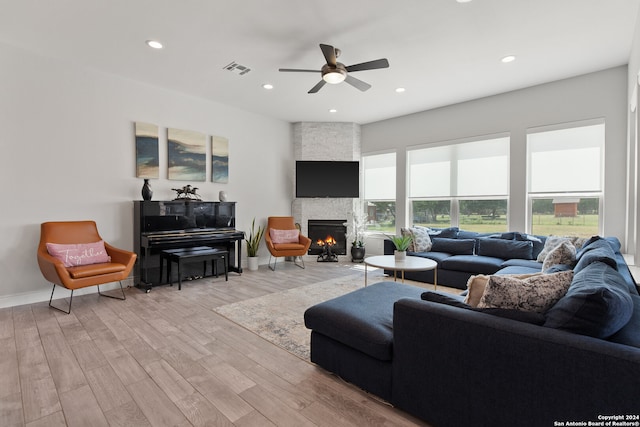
point(327, 179)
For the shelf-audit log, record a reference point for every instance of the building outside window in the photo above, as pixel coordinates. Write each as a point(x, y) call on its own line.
point(565, 168)
point(462, 184)
point(380, 192)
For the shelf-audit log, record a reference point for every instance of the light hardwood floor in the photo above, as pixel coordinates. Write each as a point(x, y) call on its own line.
point(166, 359)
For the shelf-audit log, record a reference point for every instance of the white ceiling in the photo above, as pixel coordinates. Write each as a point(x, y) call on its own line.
point(441, 51)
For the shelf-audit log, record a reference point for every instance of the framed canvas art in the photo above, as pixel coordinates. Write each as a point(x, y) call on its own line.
point(147, 153)
point(219, 159)
point(186, 155)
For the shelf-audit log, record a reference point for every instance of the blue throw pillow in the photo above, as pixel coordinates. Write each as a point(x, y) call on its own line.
point(537, 241)
point(462, 234)
point(595, 250)
point(448, 233)
point(453, 246)
point(597, 303)
point(505, 249)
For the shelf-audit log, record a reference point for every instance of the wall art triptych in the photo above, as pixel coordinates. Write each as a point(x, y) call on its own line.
point(186, 154)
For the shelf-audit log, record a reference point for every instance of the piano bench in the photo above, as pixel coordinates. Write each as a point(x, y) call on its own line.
point(199, 253)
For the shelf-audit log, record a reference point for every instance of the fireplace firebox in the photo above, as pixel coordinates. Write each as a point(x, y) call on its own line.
point(328, 238)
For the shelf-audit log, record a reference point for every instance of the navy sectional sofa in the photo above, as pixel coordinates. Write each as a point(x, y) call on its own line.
point(462, 254)
point(453, 365)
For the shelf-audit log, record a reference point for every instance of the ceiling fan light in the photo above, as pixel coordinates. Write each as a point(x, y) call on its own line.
point(334, 77)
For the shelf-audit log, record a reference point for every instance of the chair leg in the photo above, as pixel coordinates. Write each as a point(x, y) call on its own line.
point(124, 297)
point(301, 260)
point(274, 263)
point(59, 309)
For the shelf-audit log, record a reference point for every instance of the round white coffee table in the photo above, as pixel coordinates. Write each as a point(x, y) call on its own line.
point(410, 263)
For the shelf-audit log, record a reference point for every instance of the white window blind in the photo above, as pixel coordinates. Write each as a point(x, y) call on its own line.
point(479, 168)
point(566, 160)
point(379, 176)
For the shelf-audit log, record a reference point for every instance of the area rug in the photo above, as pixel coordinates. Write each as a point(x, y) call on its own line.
point(279, 317)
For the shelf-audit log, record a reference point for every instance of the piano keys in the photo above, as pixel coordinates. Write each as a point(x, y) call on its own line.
point(160, 225)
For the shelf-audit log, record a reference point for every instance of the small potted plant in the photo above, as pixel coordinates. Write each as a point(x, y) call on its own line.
point(357, 251)
point(253, 243)
point(401, 243)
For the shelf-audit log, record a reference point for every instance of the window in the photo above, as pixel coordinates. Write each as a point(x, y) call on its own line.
point(380, 192)
point(460, 184)
point(563, 199)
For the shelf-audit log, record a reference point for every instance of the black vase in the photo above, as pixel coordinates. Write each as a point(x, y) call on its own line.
point(357, 253)
point(147, 192)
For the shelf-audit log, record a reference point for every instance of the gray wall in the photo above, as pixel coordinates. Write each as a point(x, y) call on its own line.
point(601, 94)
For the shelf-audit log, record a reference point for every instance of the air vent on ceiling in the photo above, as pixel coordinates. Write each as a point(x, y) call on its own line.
point(237, 68)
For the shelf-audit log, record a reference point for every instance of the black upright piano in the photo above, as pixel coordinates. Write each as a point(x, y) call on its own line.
point(162, 225)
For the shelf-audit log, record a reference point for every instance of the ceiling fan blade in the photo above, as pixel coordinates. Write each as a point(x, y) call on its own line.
point(317, 87)
point(358, 84)
point(371, 65)
point(329, 54)
point(297, 70)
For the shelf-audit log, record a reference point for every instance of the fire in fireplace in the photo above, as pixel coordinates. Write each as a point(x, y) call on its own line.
point(328, 239)
point(327, 254)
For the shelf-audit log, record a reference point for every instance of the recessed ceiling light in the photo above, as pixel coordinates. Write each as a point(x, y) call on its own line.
point(463, 1)
point(333, 110)
point(154, 44)
point(508, 58)
point(267, 86)
point(400, 89)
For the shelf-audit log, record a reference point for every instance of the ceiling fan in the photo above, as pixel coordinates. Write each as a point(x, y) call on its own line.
point(334, 72)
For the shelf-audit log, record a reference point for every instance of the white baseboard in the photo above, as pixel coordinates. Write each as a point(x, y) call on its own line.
point(45, 294)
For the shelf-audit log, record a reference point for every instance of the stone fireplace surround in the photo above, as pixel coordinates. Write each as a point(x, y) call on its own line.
point(334, 141)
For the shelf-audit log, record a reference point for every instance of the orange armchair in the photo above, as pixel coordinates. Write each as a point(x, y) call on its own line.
point(81, 276)
point(294, 249)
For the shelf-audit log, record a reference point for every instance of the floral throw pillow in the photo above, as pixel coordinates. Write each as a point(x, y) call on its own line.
point(537, 293)
point(550, 244)
point(478, 283)
point(564, 253)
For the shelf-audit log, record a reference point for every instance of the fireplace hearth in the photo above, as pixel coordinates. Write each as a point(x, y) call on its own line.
point(328, 239)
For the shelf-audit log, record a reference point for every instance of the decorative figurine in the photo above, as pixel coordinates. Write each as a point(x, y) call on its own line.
point(187, 193)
